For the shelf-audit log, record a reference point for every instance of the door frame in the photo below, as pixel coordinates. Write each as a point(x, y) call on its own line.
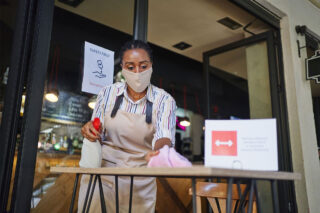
point(36, 82)
point(278, 102)
point(29, 60)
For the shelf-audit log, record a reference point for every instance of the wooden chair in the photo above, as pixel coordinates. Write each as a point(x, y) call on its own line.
point(216, 194)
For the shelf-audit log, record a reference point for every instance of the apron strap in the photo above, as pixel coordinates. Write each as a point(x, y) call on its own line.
point(149, 112)
point(119, 102)
point(116, 105)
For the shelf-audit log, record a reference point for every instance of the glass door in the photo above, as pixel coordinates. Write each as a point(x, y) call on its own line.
point(244, 81)
point(8, 15)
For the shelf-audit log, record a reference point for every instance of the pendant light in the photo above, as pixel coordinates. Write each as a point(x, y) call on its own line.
point(23, 101)
point(92, 102)
point(185, 120)
point(52, 94)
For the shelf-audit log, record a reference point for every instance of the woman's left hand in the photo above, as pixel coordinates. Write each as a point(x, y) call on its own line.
point(150, 154)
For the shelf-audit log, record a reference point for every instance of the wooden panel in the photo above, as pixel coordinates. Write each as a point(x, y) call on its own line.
point(58, 197)
point(210, 191)
point(217, 190)
point(172, 191)
point(195, 171)
point(222, 204)
point(172, 195)
point(43, 164)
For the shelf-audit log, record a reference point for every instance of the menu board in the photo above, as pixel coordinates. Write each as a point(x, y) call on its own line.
point(69, 109)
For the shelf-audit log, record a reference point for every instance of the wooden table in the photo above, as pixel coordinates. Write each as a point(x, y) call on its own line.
point(193, 173)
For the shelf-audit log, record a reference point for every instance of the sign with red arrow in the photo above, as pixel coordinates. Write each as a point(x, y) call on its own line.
point(241, 144)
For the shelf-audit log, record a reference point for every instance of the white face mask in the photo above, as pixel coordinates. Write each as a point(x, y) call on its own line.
point(138, 81)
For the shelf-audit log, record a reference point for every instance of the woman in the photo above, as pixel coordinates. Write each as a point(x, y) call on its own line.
point(137, 119)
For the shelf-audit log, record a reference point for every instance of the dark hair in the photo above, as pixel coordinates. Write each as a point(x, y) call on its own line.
point(135, 44)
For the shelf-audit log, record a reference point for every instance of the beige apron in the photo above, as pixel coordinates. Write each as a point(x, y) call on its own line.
point(129, 138)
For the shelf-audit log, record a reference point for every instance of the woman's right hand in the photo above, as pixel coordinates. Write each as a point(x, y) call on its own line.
point(89, 132)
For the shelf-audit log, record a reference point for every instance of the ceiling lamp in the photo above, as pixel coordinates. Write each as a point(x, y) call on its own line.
point(52, 94)
point(23, 101)
point(92, 102)
point(185, 121)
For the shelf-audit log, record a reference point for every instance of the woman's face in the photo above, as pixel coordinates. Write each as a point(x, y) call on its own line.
point(136, 60)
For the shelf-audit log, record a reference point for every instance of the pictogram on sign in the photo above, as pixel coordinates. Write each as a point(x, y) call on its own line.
point(224, 143)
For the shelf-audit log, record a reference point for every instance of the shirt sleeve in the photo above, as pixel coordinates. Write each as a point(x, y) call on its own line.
point(166, 121)
point(100, 105)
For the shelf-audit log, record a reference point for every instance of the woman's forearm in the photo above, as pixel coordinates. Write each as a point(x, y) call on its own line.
point(161, 143)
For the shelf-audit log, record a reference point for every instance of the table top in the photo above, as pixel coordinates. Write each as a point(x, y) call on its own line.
point(194, 171)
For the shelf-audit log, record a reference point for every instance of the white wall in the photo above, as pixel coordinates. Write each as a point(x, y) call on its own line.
point(299, 100)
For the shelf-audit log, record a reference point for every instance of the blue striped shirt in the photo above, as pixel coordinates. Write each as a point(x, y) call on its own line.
point(164, 107)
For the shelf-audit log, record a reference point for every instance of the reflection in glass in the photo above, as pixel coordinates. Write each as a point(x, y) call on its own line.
point(247, 95)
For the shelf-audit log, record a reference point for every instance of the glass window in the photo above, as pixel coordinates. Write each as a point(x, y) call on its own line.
point(7, 24)
point(241, 89)
point(67, 108)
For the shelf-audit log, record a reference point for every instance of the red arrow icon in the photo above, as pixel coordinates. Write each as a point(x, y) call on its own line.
point(224, 143)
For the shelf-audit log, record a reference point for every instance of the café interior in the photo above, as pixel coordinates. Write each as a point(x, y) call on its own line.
point(179, 33)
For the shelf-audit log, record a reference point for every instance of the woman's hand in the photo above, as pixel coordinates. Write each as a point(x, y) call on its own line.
point(89, 132)
point(150, 154)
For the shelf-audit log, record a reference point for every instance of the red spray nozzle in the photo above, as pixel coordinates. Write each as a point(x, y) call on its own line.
point(96, 123)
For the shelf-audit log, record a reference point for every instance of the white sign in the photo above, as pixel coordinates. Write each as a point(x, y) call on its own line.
point(97, 68)
point(241, 144)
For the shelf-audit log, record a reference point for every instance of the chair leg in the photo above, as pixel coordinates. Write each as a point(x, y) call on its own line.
point(198, 200)
point(213, 205)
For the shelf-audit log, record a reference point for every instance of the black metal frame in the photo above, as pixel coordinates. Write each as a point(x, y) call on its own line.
point(140, 25)
point(304, 30)
point(34, 20)
point(251, 188)
point(30, 55)
point(10, 118)
point(260, 12)
point(248, 41)
point(37, 68)
point(278, 99)
point(29, 60)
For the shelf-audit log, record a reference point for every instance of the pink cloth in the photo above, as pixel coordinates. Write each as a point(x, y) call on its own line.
point(168, 157)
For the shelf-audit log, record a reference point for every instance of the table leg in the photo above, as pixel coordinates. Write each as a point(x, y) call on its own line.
point(275, 198)
point(102, 201)
point(243, 198)
point(117, 193)
point(229, 196)
point(257, 197)
point(87, 195)
point(210, 210)
point(251, 196)
point(237, 206)
point(194, 201)
point(91, 194)
point(130, 198)
point(74, 193)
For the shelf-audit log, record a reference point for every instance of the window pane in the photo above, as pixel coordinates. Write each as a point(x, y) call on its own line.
point(107, 24)
point(246, 89)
